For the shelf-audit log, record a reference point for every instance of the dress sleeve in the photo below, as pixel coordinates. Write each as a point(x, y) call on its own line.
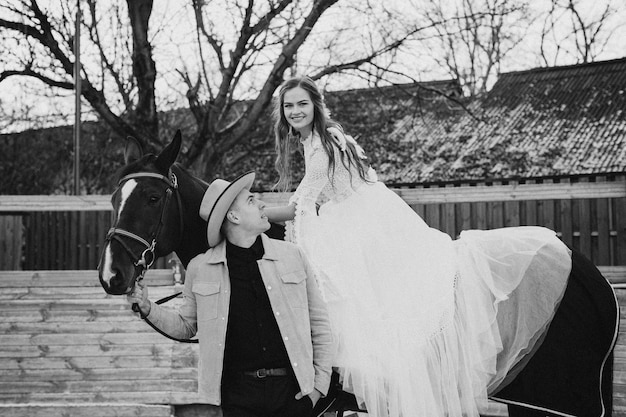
point(304, 198)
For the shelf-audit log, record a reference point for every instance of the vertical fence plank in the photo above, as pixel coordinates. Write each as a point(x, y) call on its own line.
point(37, 240)
point(6, 244)
point(449, 219)
point(511, 213)
point(495, 215)
point(480, 216)
point(61, 238)
point(585, 227)
point(67, 221)
point(464, 217)
point(531, 213)
point(548, 214)
point(432, 215)
point(57, 240)
point(565, 209)
point(604, 248)
point(11, 239)
point(576, 224)
point(68, 239)
point(620, 222)
point(103, 226)
point(45, 239)
point(73, 240)
point(19, 240)
point(28, 245)
point(92, 240)
point(82, 239)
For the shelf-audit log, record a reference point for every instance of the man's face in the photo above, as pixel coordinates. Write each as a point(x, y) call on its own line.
point(249, 212)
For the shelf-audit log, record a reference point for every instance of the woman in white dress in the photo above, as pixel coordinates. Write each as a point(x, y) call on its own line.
point(414, 312)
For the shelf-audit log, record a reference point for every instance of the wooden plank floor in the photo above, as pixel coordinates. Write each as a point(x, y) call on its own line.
point(68, 346)
point(65, 343)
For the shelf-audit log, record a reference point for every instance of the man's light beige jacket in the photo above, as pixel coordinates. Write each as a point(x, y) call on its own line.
point(295, 299)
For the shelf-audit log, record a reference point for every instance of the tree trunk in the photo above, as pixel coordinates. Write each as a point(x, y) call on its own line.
point(144, 70)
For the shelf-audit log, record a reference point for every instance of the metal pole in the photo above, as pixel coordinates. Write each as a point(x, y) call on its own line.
point(77, 88)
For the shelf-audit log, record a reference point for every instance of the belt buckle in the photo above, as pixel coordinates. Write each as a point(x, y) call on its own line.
point(261, 373)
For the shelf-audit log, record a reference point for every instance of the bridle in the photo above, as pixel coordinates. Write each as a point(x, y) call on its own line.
point(144, 261)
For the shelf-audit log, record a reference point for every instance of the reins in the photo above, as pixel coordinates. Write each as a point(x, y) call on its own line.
point(144, 261)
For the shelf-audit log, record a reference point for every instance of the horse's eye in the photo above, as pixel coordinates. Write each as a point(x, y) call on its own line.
point(154, 199)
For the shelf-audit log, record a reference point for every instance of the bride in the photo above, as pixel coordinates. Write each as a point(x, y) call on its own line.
point(414, 312)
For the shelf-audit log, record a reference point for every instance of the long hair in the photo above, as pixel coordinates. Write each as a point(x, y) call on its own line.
point(286, 136)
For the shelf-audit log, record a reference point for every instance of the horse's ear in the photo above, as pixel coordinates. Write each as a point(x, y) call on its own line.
point(132, 151)
point(168, 155)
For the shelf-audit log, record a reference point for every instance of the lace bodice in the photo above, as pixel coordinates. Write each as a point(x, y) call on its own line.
point(316, 183)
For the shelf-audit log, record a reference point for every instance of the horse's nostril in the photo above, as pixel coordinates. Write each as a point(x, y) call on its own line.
point(116, 280)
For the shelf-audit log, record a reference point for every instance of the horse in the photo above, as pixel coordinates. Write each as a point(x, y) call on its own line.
point(570, 373)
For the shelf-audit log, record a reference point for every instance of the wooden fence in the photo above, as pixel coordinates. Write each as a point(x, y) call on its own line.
point(55, 232)
point(588, 213)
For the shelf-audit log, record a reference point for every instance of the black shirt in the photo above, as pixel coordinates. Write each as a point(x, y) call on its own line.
point(253, 340)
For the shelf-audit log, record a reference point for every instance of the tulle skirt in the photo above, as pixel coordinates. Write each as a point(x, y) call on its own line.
point(428, 326)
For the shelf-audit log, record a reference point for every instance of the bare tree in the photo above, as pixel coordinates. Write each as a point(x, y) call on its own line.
point(242, 51)
point(569, 31)
point(252, 58)
point(44, 39)
point(472, 38)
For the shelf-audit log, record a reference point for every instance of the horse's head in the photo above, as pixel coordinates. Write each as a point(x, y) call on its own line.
point(148, 216)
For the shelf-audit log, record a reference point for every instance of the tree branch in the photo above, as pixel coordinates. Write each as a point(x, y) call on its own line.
point(95, 37)
point(30, 73)
point(234, 132)
point(200, 26)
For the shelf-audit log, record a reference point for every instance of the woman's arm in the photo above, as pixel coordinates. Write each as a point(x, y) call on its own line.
point(281, 213)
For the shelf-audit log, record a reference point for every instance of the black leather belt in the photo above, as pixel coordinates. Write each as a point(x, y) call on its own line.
point(263, 373)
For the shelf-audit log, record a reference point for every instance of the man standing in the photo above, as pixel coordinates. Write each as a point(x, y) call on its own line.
point(264, 334)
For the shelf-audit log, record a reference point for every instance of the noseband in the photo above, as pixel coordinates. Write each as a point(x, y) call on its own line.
point(144, 261)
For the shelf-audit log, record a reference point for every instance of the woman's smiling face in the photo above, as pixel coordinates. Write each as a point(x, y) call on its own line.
point(298, 110)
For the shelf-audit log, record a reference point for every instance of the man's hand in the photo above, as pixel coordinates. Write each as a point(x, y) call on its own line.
point(139, 295)
point(314, 396)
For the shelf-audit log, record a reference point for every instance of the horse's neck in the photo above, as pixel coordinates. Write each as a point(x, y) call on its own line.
point(194, 239)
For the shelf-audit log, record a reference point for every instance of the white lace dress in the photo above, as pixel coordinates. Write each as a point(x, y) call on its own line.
point(415, 314)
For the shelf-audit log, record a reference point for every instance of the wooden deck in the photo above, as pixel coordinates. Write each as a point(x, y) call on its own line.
point(68, 349)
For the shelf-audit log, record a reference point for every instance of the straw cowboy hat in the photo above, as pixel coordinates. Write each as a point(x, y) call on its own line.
point(217, 200)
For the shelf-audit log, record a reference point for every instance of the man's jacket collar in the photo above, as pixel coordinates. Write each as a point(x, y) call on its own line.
point(217, 254)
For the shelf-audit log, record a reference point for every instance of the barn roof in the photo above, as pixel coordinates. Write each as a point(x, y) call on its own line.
point(546, 121)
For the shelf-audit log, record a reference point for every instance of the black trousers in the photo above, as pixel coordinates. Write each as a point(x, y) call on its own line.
point(274, 396)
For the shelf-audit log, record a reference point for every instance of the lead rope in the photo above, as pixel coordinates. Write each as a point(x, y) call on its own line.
point(159, 302)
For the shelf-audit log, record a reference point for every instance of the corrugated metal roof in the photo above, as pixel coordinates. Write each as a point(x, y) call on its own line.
point(546, 121)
